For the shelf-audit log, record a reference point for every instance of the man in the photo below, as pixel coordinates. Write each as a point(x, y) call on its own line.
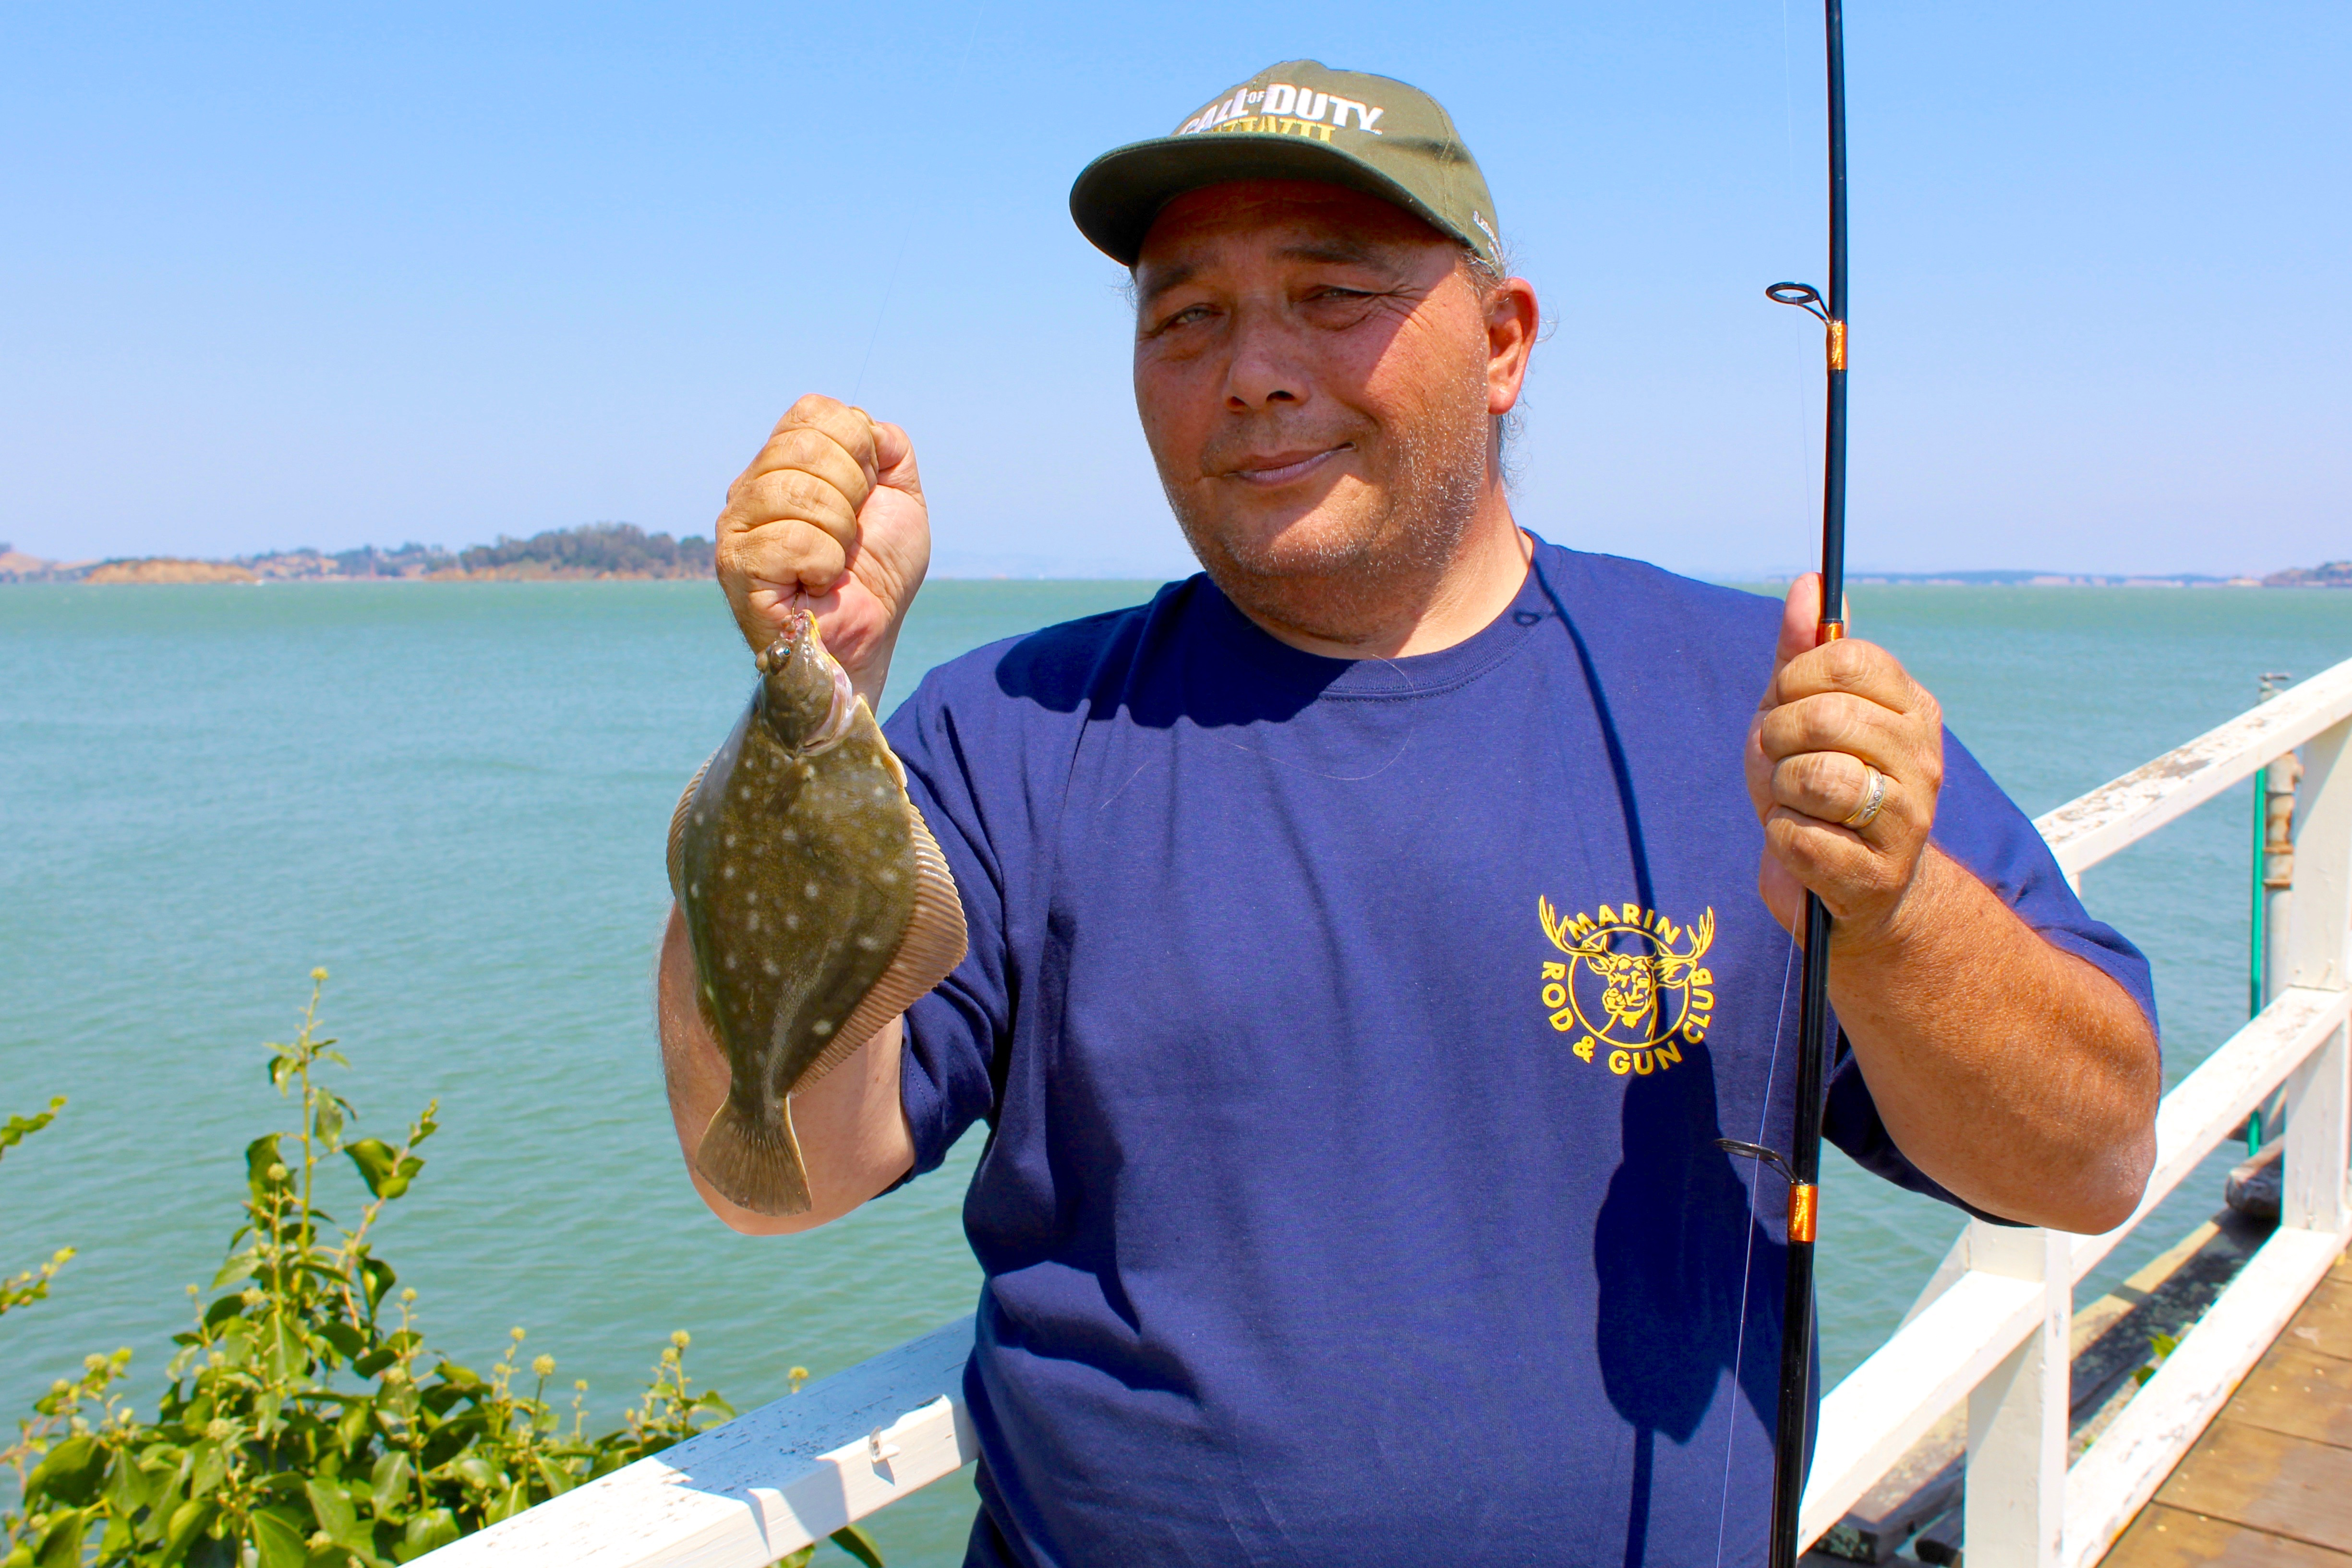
point(1366, 946)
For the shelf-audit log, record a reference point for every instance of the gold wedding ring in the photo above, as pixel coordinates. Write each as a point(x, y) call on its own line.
point(1873, 797)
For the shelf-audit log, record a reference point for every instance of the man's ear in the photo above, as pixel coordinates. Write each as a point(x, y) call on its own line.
point(1513, 318)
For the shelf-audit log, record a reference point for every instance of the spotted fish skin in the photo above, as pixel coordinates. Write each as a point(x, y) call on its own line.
point(816, 902)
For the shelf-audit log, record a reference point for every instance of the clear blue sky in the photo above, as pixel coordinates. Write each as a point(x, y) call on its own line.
point(334, 274)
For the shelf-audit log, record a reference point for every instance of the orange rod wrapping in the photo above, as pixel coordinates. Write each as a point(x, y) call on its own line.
point(1802, 1203)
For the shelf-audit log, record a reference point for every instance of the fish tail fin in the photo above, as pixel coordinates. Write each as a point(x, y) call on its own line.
point(754, 1164)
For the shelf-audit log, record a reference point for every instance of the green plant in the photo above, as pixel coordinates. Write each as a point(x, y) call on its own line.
point(32, 1285)
point(305, 1424)
point(2159, 1346)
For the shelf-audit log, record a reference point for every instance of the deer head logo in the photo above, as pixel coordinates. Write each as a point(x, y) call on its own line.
point(1632, 980)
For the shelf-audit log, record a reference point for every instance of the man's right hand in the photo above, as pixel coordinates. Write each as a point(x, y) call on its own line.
point(828, 518)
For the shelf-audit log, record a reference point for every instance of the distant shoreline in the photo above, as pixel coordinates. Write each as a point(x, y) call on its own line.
point(622, 553)
point(592, 552)
point(208, 573)
point(1775, 583)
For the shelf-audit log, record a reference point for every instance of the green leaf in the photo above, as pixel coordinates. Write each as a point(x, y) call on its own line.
point(477, 1471)
point(796, 1559)
point(239, 1266)
point(212, 1552)
point(260, 1157)
point(188, 1520)
point(130, 1485)
point(858, 1545)
point(60, 1545)
point(16, 1129)
point(71, 1474)
point(377, 1278)
point(507, 1504)
point(327, 1121)
point(386, 1172)
point(557, 1479)
point(282, 1346)
point(352, 1428)
point(334, 1512)
point(375, 1160)
point(348, 1342)
point(463, 1378)
point(389, 1482)
point(209, 1469)
point(385, 1352)
point(280, 1539)
point(435, 1527)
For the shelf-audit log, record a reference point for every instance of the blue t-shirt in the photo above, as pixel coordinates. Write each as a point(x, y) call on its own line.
point(1354, 1037)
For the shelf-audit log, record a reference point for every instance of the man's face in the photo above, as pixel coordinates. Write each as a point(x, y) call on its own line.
point(1312, 369)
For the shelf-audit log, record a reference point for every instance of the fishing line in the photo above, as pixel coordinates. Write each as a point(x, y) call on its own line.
point(907, 229)
point(1739, 1344)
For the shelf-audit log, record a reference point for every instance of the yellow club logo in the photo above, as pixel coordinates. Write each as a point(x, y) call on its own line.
point(1631, 984)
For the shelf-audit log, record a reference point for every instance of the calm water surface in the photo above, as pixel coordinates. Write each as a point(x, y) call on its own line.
point(453, 795)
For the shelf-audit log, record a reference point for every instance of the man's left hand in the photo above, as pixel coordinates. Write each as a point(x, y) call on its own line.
point(1835, 718)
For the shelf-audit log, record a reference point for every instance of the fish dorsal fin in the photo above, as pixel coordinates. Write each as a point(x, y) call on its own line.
point(678, 830)
point(890, 760)
point(932, 944)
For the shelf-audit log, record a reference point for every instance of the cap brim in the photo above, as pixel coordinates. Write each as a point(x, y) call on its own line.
point(1119, 195)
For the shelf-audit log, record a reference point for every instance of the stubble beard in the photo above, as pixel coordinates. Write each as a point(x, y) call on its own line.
point(1353, 575)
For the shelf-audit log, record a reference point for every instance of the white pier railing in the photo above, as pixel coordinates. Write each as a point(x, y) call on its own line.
point(1992, 1330)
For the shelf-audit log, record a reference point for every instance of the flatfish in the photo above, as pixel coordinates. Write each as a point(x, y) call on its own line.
point(818, 904)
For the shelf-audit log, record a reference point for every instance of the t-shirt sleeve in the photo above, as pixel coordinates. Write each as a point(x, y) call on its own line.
point(946, 1076)
point(1981, 827)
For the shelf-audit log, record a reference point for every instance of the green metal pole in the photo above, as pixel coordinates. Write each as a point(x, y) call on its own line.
point(2257, 987)
point(2261, 826)
point(2254, 965)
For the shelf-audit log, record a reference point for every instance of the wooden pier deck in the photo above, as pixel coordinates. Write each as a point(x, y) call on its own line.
point(2269, 1483)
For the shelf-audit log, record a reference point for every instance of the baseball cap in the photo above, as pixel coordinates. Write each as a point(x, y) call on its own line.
point(1297, 120)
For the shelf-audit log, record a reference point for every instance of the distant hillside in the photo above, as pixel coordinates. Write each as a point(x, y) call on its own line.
point(596, 550)
point(2327, 575)
point(366, 561)
point(599, 549)
point(2049, 579)
point(167, 569)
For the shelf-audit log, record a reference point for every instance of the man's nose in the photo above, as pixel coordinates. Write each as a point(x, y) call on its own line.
point(1265, 367)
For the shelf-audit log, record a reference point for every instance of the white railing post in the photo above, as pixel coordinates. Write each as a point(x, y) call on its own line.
point(2319, 953)
point(2015, 1510)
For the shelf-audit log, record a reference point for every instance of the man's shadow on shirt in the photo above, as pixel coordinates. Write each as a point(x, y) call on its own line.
point(1673, 1242)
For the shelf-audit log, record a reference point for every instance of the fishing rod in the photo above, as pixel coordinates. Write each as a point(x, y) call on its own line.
point(1803, 1165)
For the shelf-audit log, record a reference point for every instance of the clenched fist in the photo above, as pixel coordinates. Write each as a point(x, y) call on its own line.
point(1846, 759)
point(829, 518)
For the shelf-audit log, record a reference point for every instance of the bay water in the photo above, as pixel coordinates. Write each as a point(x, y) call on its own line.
point(453, 797)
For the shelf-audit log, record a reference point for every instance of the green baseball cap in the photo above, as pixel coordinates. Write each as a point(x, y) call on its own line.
point(1297, 120)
